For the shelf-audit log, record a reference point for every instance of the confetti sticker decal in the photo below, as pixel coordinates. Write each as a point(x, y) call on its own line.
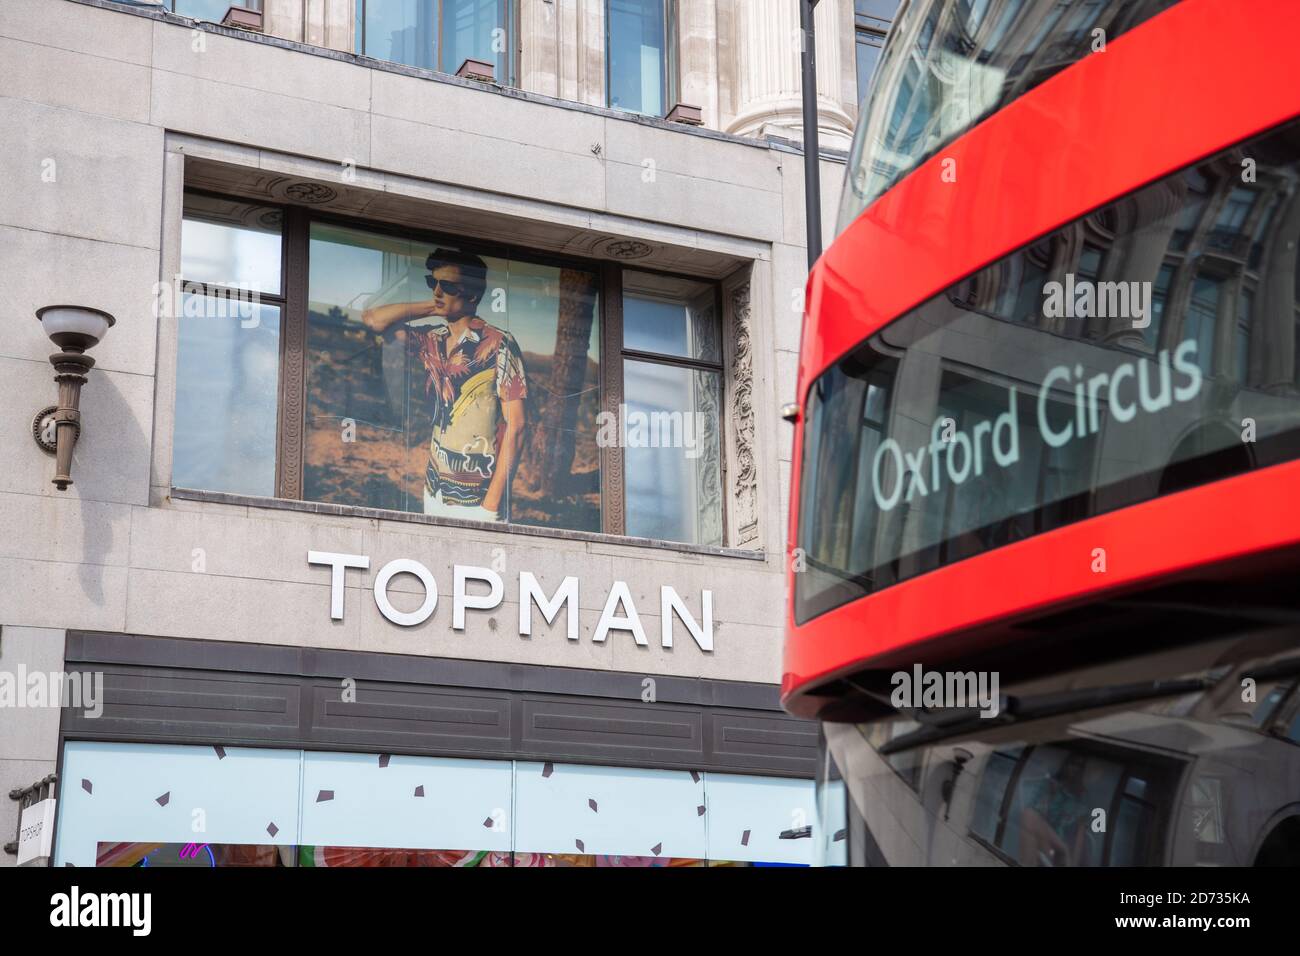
point(324, 795)
point(488, 823)
point(592, 803)
point(272, 829)
point(547, 769)
point(164, 799)
point(657, 849)
point(383, 760)
point(581, 847)
point(419, 791)
point(695, 775)
point(699, 811)
point(744, 839)
point(220, 750)
point(87, 786)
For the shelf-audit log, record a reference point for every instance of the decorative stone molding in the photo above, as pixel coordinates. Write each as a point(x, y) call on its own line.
point(624, 249)
point(743, 470)
point(709, 476)
point(301, 191)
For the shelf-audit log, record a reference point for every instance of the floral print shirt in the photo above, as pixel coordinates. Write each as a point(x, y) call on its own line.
point(468, 380)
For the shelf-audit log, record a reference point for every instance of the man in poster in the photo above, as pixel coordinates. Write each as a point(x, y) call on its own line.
point(475, 385)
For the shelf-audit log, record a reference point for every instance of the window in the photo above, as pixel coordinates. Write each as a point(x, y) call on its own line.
point(213, 10)
point(906, 763)
point(641, 55)
point(672, 374)
point(1125, 394)
point(1038, 806)
point(1245, 318)
point(439, 34)
point(296, 808)
point(425, 374)
point(228, 316)
point(475, 400)
point(1227, 232)
point(871, 23)
point(949, 64)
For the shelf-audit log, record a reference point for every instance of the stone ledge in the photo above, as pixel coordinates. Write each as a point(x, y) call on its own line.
point(325, 508)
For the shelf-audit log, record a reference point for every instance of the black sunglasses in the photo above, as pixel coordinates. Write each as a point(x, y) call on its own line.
point(456, 289)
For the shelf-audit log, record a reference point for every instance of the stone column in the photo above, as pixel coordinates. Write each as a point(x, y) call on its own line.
point(327, 23)
point(562, 50)
point(588, 52)
point(697, 58)
point(767, 63)
point(283, 19)
point(539, 34)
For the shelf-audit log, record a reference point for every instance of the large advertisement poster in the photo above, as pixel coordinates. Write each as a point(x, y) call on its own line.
point(444, 382)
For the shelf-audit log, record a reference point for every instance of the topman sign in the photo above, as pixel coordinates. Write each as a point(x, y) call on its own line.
point(619, 614)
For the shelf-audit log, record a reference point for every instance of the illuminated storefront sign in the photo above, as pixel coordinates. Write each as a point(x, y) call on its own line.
point(619, 612)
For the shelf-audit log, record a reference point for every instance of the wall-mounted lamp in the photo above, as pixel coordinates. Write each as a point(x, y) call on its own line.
point(73, 328)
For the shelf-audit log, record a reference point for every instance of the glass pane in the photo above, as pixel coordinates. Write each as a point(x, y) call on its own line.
point(475, 401)
point(233, 243)
point(881, 9)
point(571, 815)
point(992, 791)
point(364, 802)
point(937, 79)
point(636, 56)
point(1103, 386)
point(757, 819)
point(868, 56)
point(227, 395)
point(672, 448)
point(403, 31)
point(652, 325)
point(1202, 317)
point(671, 316)
point(146, 793)
point(212, 10)
point(467, 31)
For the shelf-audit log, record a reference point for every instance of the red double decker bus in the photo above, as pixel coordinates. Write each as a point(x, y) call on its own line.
point(1045, 530)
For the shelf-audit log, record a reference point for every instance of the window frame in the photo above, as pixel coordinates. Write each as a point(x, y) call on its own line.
point(507, 12)
point(867, 31)
point(279, 299)
point(675, 361)
point(291, 408)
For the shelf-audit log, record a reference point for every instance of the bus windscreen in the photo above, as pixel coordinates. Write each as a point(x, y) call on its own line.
point(1149, 347)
